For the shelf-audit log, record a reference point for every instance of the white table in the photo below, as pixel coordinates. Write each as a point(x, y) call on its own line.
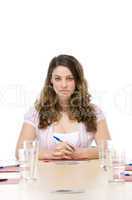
point(84, 178)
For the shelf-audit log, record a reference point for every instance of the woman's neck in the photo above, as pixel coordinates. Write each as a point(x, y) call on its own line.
point(64, 105)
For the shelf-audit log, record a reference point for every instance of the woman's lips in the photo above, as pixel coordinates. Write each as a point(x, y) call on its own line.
point(64, 90)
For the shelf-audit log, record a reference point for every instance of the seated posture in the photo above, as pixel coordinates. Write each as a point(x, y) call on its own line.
point(63, 118)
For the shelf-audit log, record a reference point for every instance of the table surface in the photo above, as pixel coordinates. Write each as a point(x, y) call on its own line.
point(68, 180)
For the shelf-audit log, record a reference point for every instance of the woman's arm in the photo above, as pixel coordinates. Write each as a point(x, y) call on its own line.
point(102, 131)
point(92, 152)
point(85, 153)
point(28, 132)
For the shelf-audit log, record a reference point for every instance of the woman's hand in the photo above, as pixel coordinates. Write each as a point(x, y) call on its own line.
point(63, 150)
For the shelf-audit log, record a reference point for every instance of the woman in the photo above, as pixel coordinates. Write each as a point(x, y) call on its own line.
point(63, 118)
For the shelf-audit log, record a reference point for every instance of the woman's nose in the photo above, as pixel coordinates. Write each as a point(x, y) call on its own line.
point(64, 84)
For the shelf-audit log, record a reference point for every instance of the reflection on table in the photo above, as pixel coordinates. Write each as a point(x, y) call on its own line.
point(68, 180)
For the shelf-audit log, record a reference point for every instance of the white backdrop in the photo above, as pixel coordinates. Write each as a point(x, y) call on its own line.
point(98, 33)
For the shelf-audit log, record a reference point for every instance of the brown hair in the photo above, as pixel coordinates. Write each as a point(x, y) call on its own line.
point(80, 108)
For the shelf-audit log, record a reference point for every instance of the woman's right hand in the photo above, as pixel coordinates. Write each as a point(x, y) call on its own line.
point(63, 150)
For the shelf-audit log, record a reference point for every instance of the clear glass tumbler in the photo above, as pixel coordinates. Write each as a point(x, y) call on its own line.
point(28, 159)
point(116, 161)
point(103, 149)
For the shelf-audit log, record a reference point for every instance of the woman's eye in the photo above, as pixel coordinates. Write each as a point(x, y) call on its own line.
point(57, 79)
point(70, 78)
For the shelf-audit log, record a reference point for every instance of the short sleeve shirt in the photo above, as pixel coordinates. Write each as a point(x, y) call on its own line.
point(80, 138)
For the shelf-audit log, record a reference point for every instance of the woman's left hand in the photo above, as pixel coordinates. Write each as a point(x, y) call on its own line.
point(63, 150)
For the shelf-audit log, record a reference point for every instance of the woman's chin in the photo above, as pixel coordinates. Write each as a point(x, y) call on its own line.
point(64, 97)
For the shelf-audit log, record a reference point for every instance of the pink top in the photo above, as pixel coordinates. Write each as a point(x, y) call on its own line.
point(45, 136)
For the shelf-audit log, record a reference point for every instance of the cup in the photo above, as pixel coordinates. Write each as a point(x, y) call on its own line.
point(28, 159)
point(103, 149)
point(116, 161)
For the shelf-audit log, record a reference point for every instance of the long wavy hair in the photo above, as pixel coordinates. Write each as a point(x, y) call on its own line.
point(79, 107)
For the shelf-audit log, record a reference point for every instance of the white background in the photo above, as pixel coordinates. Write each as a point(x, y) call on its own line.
point(97, 32)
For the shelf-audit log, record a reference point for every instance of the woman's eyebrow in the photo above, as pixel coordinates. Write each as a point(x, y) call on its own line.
point(56, 75)
point(69, 75)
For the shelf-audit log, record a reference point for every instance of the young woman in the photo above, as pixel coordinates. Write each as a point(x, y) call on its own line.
point(63, 119)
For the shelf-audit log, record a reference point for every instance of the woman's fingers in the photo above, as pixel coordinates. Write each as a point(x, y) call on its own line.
point(57, 155)
point(65, 145)
point(61, 155)
point(63, 151)
point(70, 147)
point(67, 157)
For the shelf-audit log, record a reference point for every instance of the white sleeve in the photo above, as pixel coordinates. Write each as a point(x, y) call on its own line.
point(31, 117)
point(99, 113)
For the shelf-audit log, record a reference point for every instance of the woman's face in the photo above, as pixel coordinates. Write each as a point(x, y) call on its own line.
point(63, 82)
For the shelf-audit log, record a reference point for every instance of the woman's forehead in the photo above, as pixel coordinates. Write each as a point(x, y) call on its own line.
point(61, 71)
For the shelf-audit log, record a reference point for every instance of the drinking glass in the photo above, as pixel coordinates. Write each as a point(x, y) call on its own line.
point(116, 161)
point(28, 159)
point(104, 147)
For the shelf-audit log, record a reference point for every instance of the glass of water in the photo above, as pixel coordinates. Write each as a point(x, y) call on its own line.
point(116, 161)
point(28, 159)
point(104, 147)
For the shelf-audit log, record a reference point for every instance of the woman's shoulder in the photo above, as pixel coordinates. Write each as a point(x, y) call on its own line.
point(31, 116)
point(32, 111)
point(98, 112)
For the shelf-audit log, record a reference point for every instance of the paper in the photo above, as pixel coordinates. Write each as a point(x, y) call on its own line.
point(7, 163)
point(10, 181)
point(9, 169)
